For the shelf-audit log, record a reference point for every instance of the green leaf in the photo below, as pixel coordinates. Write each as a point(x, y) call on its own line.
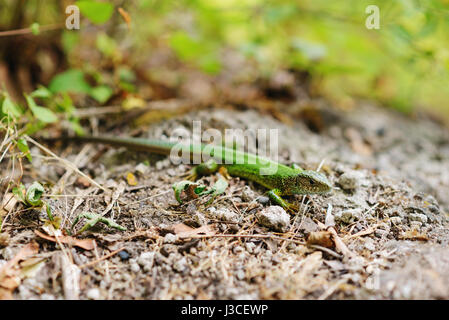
point(210, 64)
point(93, 219)
point(34, 194)
point(70, 81)
point(49, 214)
point(65, 104)
point(312, 51)
point(42, 93)
point(41, 113)
point(101, 93)
point(75, 124)
point(181, 186)
point(23, 146)
point(96, 12)
point(126, 74)
point(19, 192)
point(35, 28)
point(106, 44)
point(69, 40)
point(218, 188)
point(11, 108)
point(185, 46)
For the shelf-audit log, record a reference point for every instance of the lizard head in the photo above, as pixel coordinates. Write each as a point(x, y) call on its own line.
point(308, 181)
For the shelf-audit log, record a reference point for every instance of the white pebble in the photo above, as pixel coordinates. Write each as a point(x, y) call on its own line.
point(93, 294)
point(274, 217)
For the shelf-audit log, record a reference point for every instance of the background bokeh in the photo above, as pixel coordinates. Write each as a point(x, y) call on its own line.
point(403, 65)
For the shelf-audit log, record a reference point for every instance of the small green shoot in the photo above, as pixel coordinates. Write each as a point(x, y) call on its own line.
point(93, 219)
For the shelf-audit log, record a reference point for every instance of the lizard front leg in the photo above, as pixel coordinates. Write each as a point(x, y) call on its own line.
point(203, 169)
point(275, 196)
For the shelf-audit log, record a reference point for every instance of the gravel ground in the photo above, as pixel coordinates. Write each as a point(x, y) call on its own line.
point(382, 233)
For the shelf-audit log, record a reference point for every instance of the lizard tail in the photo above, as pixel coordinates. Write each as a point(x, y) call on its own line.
point(138, 144)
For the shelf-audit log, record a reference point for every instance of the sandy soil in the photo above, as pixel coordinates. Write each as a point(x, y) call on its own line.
point(389, 210)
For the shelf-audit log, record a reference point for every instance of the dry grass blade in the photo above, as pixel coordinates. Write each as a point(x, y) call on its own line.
point(65, 162)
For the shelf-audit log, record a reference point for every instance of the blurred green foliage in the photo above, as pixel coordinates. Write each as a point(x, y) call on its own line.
point(404, 64)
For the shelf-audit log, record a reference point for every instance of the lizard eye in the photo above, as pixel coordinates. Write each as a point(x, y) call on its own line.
point(311, 182)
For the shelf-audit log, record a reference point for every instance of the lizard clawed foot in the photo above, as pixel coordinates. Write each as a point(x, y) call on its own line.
point(224, 172)
point(192, 175)
point(291, 208)
point(275, 197)
point(206, 168)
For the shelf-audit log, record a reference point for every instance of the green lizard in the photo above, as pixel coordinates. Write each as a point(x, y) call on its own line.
point(282, 181)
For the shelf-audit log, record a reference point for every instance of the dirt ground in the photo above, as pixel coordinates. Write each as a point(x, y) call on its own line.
point(382, 233)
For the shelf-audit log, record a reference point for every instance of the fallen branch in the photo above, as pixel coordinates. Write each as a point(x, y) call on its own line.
point(24, 31)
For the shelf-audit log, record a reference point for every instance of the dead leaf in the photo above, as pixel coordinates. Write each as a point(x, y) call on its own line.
point(8, 204)
point(10, 272)
point(125, 15)
point(131, 179)
point(86, 244)
point(181, 227)
point(30, 249)
point(30, 267)
point(321, 238)
point(82, 182)
point(4, 239)
point(339, 244)
point(184, 231)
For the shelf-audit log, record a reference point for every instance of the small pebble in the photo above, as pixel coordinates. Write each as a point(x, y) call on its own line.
point(380, 233)
point(199, 219)
point(4, 239)
point(415, 225)
point(348, 216)
point(145, 260)
point(248, 195)
point(274, 217)
point(250, 246)
point(237, 250)
point(369, 244)
point(350, 180)
point(263, 199)
point(191, 209)
point(170, 238)
point(142, 168)
point(180, 265)
point(93, 294)
point(168, 249)
point(124, 255)
point(396, 220)
point(135, 267)
point(240, 274)
point(226, 215)
point(418, 217)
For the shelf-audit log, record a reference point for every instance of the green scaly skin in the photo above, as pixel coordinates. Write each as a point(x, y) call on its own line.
point(285, 181)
